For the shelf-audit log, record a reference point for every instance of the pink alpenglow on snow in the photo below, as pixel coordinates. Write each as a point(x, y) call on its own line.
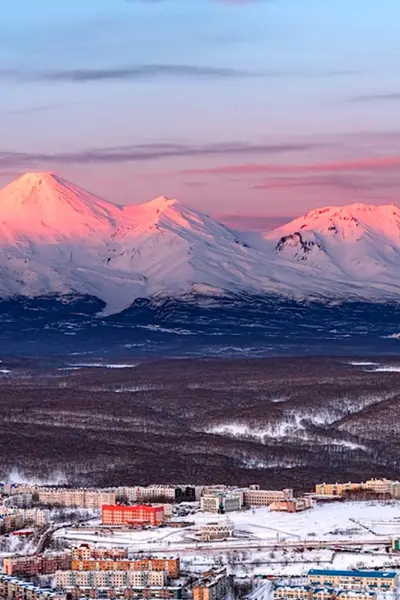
point(58, 238)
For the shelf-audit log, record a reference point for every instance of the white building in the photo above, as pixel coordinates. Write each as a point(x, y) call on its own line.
point(219, 530)
point(221, 502)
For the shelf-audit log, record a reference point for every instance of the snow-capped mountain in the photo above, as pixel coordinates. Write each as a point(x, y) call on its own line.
point(358, 245)
point(57, 238)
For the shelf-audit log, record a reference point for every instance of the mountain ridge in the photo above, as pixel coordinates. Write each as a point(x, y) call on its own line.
point(56, 238)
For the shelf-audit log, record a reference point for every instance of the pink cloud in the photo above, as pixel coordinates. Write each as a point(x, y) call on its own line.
point(361, 164)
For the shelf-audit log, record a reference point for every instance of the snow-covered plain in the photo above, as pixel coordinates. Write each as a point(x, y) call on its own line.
point(56, 238)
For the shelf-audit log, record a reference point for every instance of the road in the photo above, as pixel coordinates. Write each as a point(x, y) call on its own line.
point(233, 544)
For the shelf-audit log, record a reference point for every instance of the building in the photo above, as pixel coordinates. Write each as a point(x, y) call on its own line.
point(101, 579)
point(336, 489)
point(39, 564)
point(221, 502)
point(324, 593)
point(213, 585)
point(356, 595)
point(15, 518)
point(138, 515)
point(219, 530)
point(86, 552)
point(185, 494)
point(143, 495)
point(396, 545)
point(353, 580)
point(253, 496)
point(379, 487)
point(291, 592)
point(170, 566)
point(292, 506)
point(122, 593)
point(75, 497)
point(11, 587)
point(22, 500)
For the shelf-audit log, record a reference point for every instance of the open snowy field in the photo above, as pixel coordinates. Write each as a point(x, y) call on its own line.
point(371, 522)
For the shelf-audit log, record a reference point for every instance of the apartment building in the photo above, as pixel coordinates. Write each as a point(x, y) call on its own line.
point(221, 502)
point(15, 518)
point(323, 593)
point(253, 496)
point(75, 497)
point(291, 592)
point(378, 486)
point(356, 595)
point(336, 489)
point(86, 552)
point(39, 564)
point(120, 593)
point(143, 495)
point(171, 566)
point(11, 587)
point(22, 500)
point(353, 580)
point(10, 521)
point(138, 515)
point(292, 506)
point(102, 579)
point(213, 585)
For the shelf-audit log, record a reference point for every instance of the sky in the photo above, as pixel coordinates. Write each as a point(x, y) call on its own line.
point(250, 110)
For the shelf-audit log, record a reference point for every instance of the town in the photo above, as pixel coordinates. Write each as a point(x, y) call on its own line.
point(210, 542)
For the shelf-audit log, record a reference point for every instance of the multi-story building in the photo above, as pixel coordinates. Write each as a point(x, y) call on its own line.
point(122, 593)
point(380, 487)
point(253, 496)
point(151, 493)
point(213, 585)
point(15, 518)
point(292, 506)
point(138, 515)
point(39, 564)
point(221, 502)
point(11, 587)
point(336, 489)
point(171, 566)
point(356, 595)
point(10, 521)
point(323, 593)
point(22, 500)
point(87, 552)
point(102, 579)
point(353, 580)
point(75, 497)
point(291, 592)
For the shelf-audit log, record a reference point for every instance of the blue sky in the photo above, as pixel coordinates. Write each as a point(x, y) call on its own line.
point(256, 108)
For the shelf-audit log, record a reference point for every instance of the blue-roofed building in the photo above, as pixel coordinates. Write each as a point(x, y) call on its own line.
point(356, 595)
point(324, 593)
point(353, 580)
point(297, 592)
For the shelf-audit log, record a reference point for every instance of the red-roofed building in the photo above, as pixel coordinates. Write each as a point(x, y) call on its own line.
point(138, 515)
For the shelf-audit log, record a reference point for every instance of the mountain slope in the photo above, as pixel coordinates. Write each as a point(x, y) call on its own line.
point(356, 245)
point(57, 238)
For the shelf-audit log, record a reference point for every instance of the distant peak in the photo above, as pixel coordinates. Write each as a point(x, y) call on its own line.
point(37, 176)
point(162, 202)
point(356, 207)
